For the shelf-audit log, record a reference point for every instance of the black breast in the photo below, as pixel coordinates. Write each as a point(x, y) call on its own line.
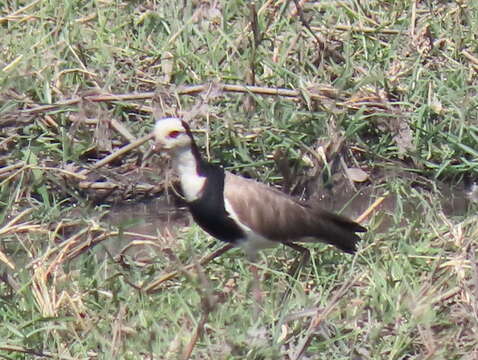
point(209, 212)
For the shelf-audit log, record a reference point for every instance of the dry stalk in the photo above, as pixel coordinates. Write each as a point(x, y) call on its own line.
point(195, 337)
point(138, 243)
point(154, 285)
point(472, 58)
point(13, 227)
point(120, 152)
point(4, 258)
point(85, 245)
point(122, 130)
point(318, 94)
point(370, 209)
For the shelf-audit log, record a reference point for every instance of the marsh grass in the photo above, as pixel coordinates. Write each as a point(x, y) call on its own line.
point(385, 86)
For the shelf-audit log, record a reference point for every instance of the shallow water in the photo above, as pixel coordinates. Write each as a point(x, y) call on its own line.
point(157, 217)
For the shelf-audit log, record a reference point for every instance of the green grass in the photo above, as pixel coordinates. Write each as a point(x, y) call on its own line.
point(402, 96)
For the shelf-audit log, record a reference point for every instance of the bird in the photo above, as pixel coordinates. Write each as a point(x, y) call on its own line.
point(244, 212)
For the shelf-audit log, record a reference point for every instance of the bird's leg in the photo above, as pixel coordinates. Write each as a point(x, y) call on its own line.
point(256, 285)
point(299, 262)
point(297, 266)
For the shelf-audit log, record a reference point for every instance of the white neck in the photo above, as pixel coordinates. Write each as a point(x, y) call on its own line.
point(185, 165)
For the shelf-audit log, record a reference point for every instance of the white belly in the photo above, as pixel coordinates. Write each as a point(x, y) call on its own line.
point(253, 243)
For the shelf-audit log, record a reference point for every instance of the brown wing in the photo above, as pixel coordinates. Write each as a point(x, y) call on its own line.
point(279, 217)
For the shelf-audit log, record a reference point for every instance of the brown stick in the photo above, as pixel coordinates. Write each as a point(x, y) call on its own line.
point(118, 153)
point(196, 336)
point(320, 94)
point(370, 209)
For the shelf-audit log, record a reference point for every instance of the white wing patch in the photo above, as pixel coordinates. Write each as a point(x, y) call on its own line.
point(253, 242)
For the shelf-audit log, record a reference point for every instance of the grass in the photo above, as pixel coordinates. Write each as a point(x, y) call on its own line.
point(385, 86)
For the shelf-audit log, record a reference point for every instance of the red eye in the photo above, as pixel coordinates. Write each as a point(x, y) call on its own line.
point(174, 134)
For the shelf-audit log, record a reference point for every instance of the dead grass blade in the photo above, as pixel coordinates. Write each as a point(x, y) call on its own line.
point(4, 258)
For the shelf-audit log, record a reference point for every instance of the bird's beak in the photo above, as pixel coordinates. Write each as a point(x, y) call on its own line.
point(149, 153)
point(153, 149)
point(156, 148)
point(159, 147)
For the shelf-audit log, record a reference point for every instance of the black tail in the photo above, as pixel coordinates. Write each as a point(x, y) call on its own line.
point(338, 231)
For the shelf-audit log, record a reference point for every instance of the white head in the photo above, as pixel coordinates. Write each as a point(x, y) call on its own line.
point(171, 134)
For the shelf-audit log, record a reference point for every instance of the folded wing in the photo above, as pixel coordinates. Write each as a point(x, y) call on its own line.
point(279, 217)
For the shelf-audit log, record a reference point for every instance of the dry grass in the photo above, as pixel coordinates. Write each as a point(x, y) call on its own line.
point(372, 101)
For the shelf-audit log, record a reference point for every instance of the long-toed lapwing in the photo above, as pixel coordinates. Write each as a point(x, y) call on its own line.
point(245, 212)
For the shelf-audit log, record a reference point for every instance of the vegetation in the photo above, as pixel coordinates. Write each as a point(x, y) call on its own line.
point(370, 106)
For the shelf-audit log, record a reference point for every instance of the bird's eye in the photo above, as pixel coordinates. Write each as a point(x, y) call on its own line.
point(174, 134)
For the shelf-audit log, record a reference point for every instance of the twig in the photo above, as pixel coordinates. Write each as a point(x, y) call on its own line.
point(294, 12)
point(93, 98)
point(138, 243)
point(470, 57)
point(16, 219)
point(318, 94)
point(306, 24)
point(117, 328)
point(24, 167)
point(473, 59)
point(371, 208)
point(78, 250)
point(99, 185)
point(6, 141)
point(153, 286)
point(109, 186)
point(118, 153)
point(122, 130)
point(196, 336)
